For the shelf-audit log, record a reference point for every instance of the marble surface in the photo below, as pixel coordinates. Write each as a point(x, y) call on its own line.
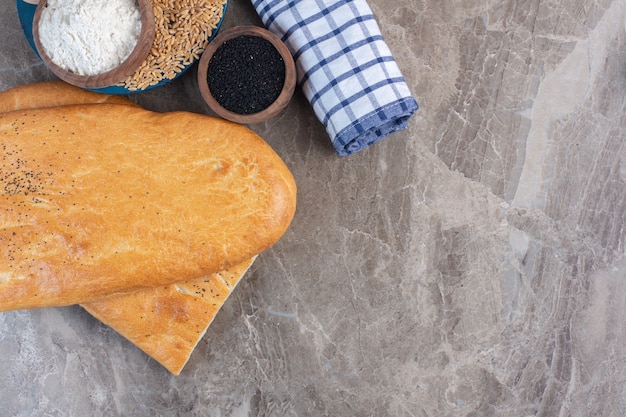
point(471, 265)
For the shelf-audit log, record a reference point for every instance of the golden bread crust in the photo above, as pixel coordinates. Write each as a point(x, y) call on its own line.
point(53, 94)
point(102, 199)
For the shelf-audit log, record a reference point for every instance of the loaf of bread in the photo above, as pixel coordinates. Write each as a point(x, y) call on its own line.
point(53, 94)
point(165, 322)
point(105, 199)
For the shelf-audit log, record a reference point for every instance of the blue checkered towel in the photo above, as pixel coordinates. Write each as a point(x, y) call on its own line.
point(345, 68)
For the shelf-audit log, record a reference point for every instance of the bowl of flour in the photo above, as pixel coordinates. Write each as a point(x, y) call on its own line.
point(93, 44)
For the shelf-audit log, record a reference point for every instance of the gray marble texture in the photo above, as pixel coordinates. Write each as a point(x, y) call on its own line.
point(471, 265)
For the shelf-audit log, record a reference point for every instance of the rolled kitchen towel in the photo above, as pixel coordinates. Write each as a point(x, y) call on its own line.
point(345, 68)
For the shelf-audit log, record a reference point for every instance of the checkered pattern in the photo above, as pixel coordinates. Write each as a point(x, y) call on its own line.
point(345, 68)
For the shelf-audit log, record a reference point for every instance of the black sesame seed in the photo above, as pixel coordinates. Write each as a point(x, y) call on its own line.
point(246, 74)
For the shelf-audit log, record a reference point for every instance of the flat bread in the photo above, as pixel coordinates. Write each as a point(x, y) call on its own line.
point(165, 322)
point(104, 199)
point(168, 322)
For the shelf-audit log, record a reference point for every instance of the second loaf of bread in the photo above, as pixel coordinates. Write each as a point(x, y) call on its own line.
point(100, 200)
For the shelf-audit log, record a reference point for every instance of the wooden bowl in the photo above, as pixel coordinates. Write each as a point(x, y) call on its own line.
point(115, 75)
point(288, 87)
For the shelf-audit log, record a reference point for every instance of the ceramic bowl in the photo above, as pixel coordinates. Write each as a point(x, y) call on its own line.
point(283, 98)
point(110, 77)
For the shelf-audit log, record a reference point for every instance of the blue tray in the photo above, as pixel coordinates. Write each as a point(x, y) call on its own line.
point(26, 13)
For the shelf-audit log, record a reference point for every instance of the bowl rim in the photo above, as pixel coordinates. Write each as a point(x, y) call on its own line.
point(114, 76)
point(288, 87)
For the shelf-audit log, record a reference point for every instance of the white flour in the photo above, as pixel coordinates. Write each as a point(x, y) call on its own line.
point(89, 37)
